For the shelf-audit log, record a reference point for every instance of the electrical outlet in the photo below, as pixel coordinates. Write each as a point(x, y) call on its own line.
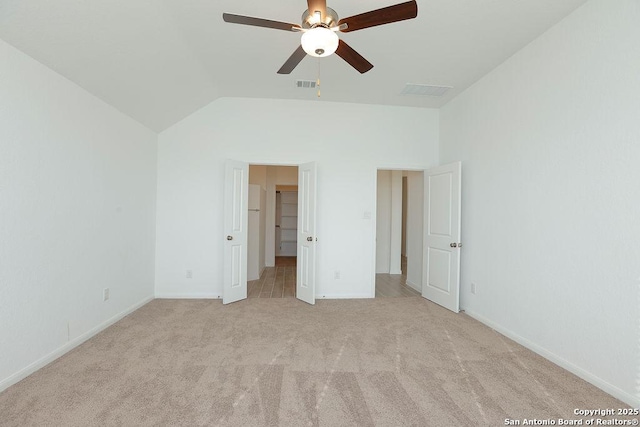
point(188, 274)
point(336, 275)
point(105, 294)
point(473, 288)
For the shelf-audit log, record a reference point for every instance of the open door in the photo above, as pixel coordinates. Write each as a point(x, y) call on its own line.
point(236, 196)
point(441, 278)
point(306, 263)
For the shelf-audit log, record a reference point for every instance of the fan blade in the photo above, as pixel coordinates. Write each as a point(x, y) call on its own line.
point(317, 5)
point(386, 15)
point(259, 22)
point(354, 59)
point(297, 56)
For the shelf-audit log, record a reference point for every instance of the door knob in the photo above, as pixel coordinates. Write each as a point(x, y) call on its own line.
point(229, 237)
point(453, 245)
point(309, 239)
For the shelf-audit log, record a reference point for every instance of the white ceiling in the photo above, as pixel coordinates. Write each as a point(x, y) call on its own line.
point(160, 60)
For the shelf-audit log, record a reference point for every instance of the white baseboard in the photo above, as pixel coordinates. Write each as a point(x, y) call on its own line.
point(344, 296)
point(193, 295)
point(616, 392)
point(170, 295)
point(412, 285)
point(70, 345)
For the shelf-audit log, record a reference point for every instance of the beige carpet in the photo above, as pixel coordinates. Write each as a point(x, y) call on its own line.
point(386, 362)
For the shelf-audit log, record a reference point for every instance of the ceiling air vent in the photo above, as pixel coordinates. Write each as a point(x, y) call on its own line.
point(424, 90)
point(306, 84)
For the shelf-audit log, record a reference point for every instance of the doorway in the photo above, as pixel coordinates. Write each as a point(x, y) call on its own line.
point(278, 237)
point(399, 233)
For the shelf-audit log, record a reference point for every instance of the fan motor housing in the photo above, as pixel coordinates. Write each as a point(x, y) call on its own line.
point(310, 19)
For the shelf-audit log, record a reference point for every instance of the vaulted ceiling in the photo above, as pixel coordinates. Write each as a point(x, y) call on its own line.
point(160, 60)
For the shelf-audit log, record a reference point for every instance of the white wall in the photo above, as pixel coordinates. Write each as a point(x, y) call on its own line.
point(415, 219)
point(405, 195)
point(286, 175)
point(383, 222)
point(357, 141)
point(263, 231)
point(550, 144)
point(258, 175)
point(77, 214)
point(396, 223)
point(389, 222)
point(255, 231)
point(270, 219)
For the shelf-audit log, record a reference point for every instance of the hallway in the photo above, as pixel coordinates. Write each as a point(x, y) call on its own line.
point(394, 285)
point(275, 282)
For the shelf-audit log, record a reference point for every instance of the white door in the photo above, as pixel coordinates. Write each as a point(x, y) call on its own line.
point(236, 187)
point(306, 273)
point(441, 278)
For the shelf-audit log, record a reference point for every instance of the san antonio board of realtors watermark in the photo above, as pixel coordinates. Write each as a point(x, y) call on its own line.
point(584, 417)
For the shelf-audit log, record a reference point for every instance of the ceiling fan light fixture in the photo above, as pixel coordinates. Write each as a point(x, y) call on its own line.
point(315, 18)
point(319, 42)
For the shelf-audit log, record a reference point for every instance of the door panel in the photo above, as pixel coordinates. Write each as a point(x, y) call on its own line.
point(305, 281)
point(439, 273)
point(440, 214)
point(236, 194)
point(304, 271)
point(236, 269)
point(441, 278)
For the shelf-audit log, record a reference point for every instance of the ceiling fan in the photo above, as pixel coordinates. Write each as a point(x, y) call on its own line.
point(319, 26)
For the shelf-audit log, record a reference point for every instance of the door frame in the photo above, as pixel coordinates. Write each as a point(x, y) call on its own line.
point(374, 217)
point(254, 162)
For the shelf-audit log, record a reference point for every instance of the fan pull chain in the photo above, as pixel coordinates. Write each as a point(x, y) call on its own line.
point(318, 81)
